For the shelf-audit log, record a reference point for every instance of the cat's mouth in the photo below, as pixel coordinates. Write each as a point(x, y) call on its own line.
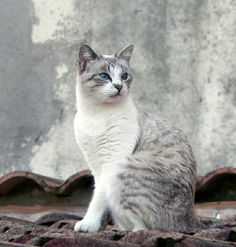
point(114, 98)
point(116, 95)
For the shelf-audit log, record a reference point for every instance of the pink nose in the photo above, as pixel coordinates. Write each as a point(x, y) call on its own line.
point(118, 87)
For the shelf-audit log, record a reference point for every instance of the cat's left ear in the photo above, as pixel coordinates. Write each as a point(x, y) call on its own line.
point(86, 55)
point(125, 53)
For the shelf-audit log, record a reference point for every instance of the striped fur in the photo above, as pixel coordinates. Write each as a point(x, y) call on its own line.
point(144, 169)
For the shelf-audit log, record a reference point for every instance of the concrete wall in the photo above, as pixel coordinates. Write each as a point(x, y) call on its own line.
point(184, 68)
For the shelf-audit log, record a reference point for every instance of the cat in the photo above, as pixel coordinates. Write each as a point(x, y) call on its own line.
point(144, 169)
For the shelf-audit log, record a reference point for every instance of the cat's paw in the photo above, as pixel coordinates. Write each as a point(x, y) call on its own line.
point(87, 226)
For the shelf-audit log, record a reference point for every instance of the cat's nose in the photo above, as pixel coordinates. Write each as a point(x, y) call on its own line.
point(118, 87)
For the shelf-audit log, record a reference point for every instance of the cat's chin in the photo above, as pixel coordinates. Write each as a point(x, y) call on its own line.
point(113, 99)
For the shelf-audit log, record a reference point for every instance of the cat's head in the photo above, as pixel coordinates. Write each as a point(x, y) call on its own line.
point(102, 78)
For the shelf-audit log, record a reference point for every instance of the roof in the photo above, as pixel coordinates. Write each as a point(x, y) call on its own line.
point(15, 232)
point(41, 211)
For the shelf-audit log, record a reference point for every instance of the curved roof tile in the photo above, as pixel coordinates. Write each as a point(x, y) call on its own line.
point(217, 185)
point(11, 180)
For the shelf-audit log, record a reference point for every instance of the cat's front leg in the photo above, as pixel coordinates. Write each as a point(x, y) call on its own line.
point(92, 221)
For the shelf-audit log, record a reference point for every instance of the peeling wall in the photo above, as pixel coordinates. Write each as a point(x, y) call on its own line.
point(184, 68)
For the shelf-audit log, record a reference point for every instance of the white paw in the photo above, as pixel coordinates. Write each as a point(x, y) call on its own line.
point(87, 226)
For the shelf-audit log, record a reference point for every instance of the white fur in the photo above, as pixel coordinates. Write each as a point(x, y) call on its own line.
point(107, 134)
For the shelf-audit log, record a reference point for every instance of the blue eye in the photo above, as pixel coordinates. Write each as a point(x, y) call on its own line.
point(124, 76)
point(104, 76)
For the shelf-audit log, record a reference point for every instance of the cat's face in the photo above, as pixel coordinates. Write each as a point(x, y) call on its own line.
point(104, 79)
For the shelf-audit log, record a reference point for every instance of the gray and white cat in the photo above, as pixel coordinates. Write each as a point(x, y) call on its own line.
point(144, 169)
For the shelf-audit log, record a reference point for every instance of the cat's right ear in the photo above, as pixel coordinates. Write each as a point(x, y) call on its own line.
point(86, 55)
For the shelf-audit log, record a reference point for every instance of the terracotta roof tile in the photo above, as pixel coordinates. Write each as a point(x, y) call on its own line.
point(13, 179)
point(218, 185)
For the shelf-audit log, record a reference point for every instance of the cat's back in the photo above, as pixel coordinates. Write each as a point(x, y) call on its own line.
point(160, 132)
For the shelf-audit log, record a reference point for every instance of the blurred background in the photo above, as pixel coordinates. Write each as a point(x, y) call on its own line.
point(184, 68)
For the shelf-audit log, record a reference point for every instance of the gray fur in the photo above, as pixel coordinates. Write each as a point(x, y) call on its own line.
point(159, 182)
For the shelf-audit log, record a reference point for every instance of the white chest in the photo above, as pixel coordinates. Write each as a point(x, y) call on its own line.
point(106, 137)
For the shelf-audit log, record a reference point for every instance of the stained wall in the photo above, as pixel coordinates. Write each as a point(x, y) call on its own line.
point(184, 68)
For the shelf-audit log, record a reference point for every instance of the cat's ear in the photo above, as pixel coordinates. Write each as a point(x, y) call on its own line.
point(86, 55)
point(126, 53)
